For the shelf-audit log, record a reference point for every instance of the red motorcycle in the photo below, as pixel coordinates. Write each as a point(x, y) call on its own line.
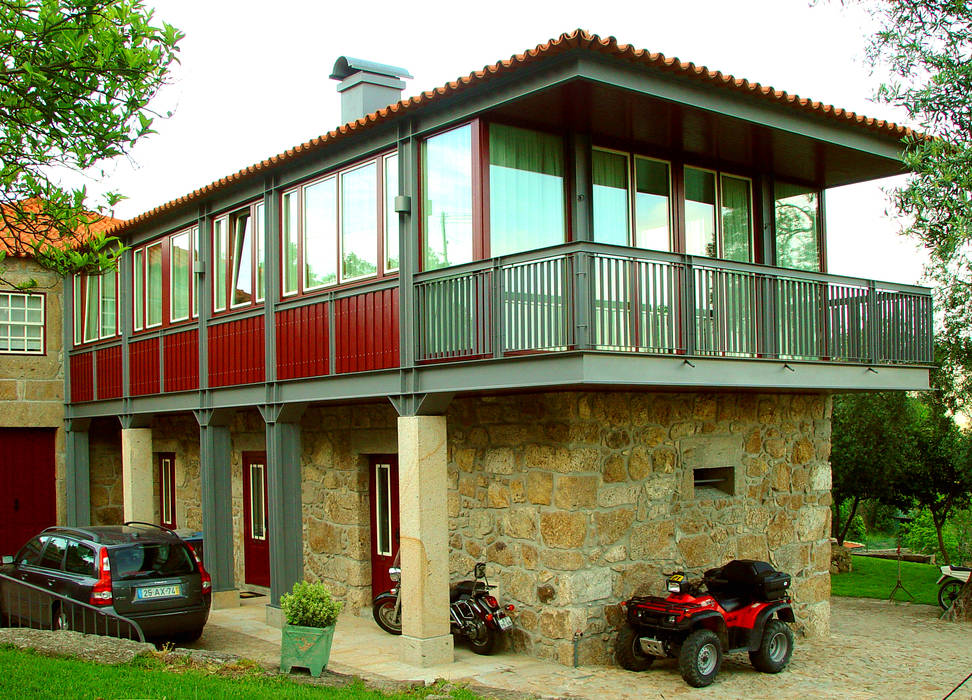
point(474, 612)
point(744, 607)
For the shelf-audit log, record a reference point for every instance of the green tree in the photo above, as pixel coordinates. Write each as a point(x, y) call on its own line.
point(76, 79)
point(872, 447)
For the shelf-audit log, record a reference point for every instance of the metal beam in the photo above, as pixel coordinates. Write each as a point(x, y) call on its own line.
point(216, 482)
point(421, 404)
point(77, 477)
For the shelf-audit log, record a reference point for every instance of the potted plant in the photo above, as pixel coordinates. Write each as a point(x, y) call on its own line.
point(310, 614)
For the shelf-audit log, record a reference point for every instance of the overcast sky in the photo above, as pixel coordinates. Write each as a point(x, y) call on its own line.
point(253, 81)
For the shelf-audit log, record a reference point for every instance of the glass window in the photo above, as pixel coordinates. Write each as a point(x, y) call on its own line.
point(91, 330)
point(526, 190)
point(30, 553)
point(289, 259)
point(652, 209)
point(320, 233)
point(179, 272)
point(220, 256)
point(700, 212)
point(447, 190)
point(194, 243)
point(138, 302)
point(258, 527)
point(737, 220)
point(359, 222)
point(153, 294)
point(261, 258)
point(610, 179)
point(109, 304)
point(383, 508)
point(53, 553)
point(797, 227)
point(150, 561)
point(22, 321)
point(242, 269)
point(79, 560)
point(78, 311)
point(391, 216)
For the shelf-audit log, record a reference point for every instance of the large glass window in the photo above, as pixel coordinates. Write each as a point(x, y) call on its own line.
point(220, 247)
point(153, 292)
point(180, 267)
point(359, 222)
point(109, 304)
point(290, 261)
point(797, 227)
point(700, 212)
point(610, 179)
point(22, 322)
point(526, 190)
point(391, 216)
point(78, 310)
point(138, 298)
point(652, 209)
point(242, 260)
point(91, 298)
point(447, 190)
point(259, 245)
point(95, 310)
point(320, 233)
point(737, 225)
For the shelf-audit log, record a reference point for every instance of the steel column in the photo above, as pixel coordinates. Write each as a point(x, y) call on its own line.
point(215, 476)
point(77, 477)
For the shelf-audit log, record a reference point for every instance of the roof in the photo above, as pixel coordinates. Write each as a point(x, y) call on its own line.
point(577, 40)
point(21, 245)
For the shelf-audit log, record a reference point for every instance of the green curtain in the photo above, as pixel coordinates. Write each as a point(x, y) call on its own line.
point(610, 178)
point(109, 304)
point(526, 190)
point(154, 257)
point(736, 219)
point(179, 265)
point(290, 227)
point(91, 329)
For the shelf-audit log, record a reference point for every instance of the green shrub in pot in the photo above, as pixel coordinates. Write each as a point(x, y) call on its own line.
point(310, 614)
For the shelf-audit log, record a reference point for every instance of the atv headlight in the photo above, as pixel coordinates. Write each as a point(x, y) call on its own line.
point(675, 583)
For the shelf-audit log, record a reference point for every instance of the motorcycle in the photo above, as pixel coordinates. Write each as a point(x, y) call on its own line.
point(474, 613)
point(951, 582)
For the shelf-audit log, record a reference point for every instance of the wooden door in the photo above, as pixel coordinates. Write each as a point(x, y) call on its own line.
point(27, 489)
point(383, 481)
point(256, 542)
point(167, 496)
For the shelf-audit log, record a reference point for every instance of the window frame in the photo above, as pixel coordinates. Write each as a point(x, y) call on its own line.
point(81, 304)
point(821, 222)
point(43, 323)
point(298, 199)
point(719, 227)
point(256, 210)
point(140, 281)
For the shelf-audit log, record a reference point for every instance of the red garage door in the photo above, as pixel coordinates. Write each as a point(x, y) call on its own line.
point(27, 500)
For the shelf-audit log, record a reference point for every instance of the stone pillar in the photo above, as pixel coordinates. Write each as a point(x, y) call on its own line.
point(423, 493)
point(138, 474)
point(216, 491)
point(77, 477)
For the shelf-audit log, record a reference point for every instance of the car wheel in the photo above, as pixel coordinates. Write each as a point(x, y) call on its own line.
point(948, 593)
point(387, 617)
point(700, 658)
point(627, 650)
point(775, 649)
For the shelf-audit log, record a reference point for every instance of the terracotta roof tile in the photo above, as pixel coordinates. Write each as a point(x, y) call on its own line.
point(21, 246)
point(577, 39)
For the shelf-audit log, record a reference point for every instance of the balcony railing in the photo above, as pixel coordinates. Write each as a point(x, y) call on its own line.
point(586, 296)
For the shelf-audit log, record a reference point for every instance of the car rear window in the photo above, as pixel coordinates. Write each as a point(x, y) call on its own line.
point(150, 560)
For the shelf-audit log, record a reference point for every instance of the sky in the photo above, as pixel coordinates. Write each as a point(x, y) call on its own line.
point(253, 81)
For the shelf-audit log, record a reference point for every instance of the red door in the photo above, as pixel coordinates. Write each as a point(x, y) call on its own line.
point(27, 495)
point(384, 520)
point(256, 545)
point(167, 504)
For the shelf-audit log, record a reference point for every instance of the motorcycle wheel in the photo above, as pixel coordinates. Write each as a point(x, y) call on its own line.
point(386, 617)
point(948, 593)
point(483, 639)
point(627, 650)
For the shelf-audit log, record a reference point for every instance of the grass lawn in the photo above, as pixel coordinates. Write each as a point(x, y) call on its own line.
point(27, 674)
point(874, 578)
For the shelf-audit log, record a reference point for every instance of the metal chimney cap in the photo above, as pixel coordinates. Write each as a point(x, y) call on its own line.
point(347, 66)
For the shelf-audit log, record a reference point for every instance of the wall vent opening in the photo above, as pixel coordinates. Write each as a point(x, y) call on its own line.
point(718, 478)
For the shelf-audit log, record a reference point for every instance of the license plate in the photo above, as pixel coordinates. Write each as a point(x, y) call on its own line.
point(504, 622)
point(154, 592)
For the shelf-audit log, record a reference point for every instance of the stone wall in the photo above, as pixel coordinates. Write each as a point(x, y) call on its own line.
point(337, 445)
point(581, 499)
point(179, 434)
point(248, 433)
point(107, 494)
point(32, 386)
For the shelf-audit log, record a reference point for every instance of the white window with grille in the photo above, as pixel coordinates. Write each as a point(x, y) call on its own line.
point(21, 323)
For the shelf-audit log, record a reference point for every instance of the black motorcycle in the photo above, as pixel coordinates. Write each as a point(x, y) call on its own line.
point(474, 612)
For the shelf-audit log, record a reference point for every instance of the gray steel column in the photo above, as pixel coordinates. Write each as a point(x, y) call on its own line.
point(271, 276)
point(77, 476)
point(582, 225)
point(215, 476)
point(283, 498)
point(768, 286)
point(409, 255)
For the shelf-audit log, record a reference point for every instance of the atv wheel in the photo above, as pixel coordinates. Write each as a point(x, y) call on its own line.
point(627, 650)
point(700, 658)
point(775, 649)
point(948, 593)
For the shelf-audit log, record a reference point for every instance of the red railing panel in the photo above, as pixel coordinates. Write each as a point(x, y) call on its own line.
point(302, 341)
point(236, 352)
point(366, 333)
point(143, 367)
point(180, 352)
point(109, 373)
point(82, 377)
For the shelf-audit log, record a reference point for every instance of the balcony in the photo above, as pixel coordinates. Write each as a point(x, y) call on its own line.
point(602, 298)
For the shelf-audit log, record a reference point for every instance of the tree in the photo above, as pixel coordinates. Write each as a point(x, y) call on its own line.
point(871, 449)
point(76, 79)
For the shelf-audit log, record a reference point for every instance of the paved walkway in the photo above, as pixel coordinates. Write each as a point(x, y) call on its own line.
point(876, 651)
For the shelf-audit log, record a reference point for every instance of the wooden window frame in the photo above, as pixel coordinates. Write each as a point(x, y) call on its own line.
point(140, 260)
point(257, 212)
point(297, 192)
point(81, 302)
point(821, 225)
point(42, 325)
point(166, 474)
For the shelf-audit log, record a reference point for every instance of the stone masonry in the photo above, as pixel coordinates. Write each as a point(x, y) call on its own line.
point(579, 500)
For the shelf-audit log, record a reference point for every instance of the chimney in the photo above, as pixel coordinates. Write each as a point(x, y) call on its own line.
point(366, 86)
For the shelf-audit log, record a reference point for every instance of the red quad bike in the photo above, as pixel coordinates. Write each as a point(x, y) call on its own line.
point(746, 608)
